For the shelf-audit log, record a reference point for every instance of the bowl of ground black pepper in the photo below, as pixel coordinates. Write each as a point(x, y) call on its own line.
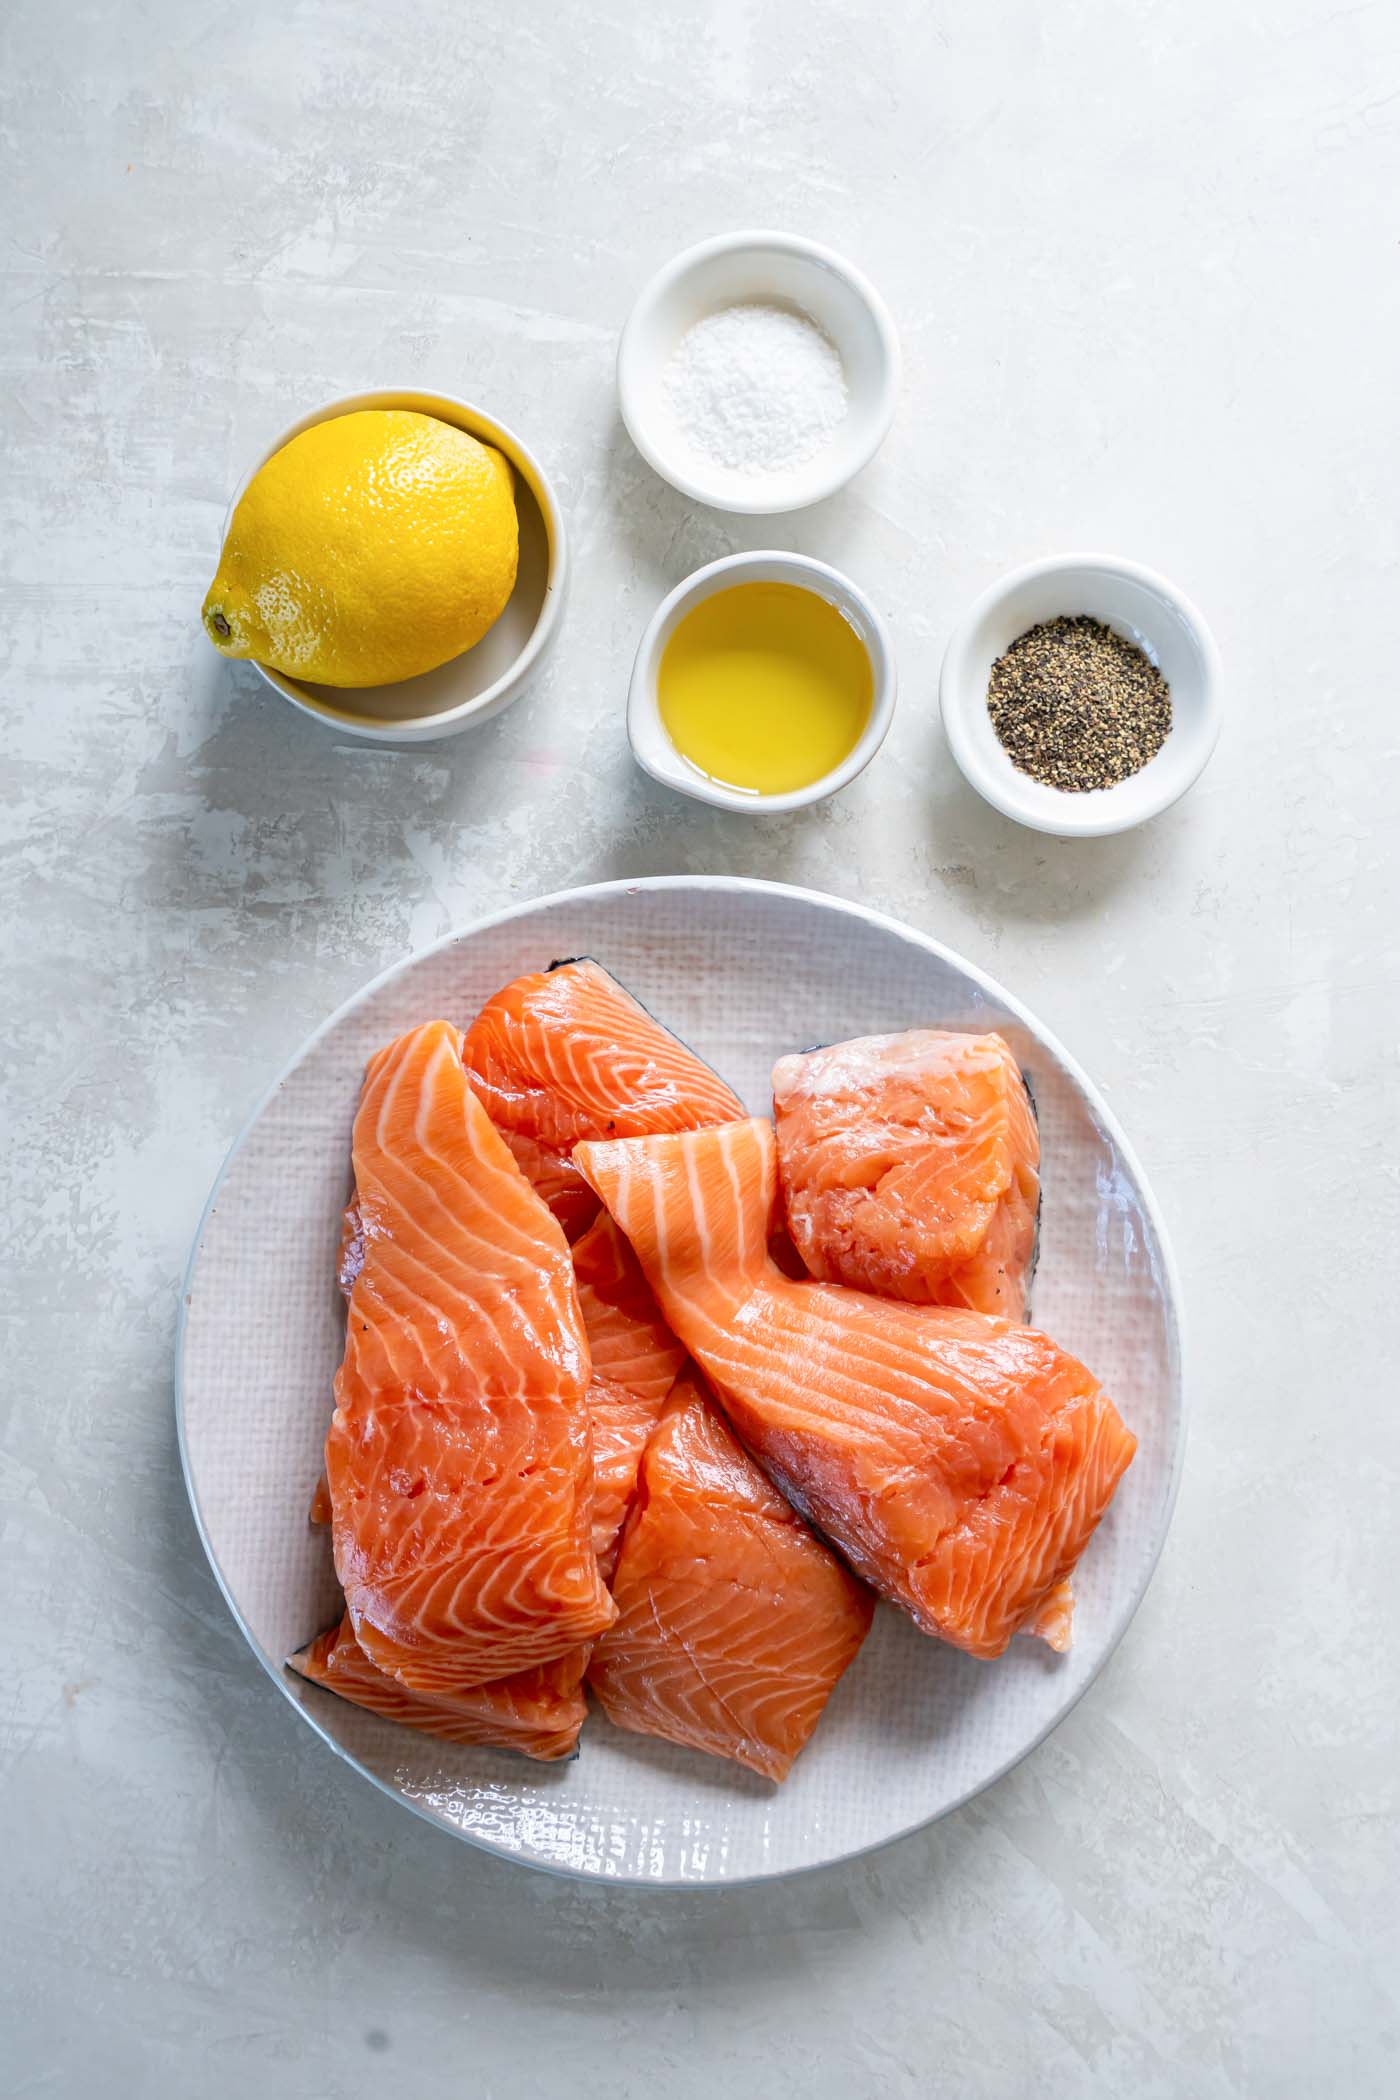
point(1082, 695)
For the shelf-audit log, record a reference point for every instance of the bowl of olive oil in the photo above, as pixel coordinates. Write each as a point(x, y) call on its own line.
point(763, 682)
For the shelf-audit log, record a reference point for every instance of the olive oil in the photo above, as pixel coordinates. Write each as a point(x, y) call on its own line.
point(765, 687)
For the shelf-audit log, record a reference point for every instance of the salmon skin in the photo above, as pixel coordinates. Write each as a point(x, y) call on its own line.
point(539, 1712)
point(960, 1463)
point(910, 1167)
point(734, 1621)
point(566, 1054)
point(458, 1459)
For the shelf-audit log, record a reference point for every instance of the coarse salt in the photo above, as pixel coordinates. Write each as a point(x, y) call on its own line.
point(756, 389)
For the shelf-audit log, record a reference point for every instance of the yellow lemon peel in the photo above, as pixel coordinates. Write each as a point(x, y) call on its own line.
point(370, 548)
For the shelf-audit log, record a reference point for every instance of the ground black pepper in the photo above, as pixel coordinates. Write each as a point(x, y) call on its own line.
point(1077, 706)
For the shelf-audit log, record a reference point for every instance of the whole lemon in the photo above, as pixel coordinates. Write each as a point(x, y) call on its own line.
point(370, 548)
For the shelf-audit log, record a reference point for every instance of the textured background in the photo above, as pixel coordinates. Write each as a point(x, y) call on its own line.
point(1144, 262)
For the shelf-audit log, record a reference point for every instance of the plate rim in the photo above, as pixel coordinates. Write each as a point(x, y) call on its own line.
point(634, 886)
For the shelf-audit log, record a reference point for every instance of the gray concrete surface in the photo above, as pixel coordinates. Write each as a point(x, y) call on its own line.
point(1144, 263)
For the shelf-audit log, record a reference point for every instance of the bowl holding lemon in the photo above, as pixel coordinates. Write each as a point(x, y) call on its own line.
point(394, 565)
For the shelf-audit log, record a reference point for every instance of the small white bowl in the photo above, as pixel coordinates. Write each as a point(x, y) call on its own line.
point(483, 680)
point(646, 732)
point(777, 268)
point(1137, 604)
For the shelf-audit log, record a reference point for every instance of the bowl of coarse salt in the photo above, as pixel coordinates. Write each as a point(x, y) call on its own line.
point(758, 372)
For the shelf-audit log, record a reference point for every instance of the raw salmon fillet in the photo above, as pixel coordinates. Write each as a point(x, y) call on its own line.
point(734, 1621)
point(636, 1360)
point(458, 1459)
point(539, 1712)
point(958, 1462)
point(910, 1167)
point(566, 1054)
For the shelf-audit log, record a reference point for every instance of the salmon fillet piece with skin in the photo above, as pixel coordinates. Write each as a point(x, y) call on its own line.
point(539, 1712)
point(566, 1054)
point(458, 1459)
point(910, 1167)
point(635, 1361)
point(734, 1621)
point(960, 1463)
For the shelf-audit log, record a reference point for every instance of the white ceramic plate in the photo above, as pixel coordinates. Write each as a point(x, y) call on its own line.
point(743, 971)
